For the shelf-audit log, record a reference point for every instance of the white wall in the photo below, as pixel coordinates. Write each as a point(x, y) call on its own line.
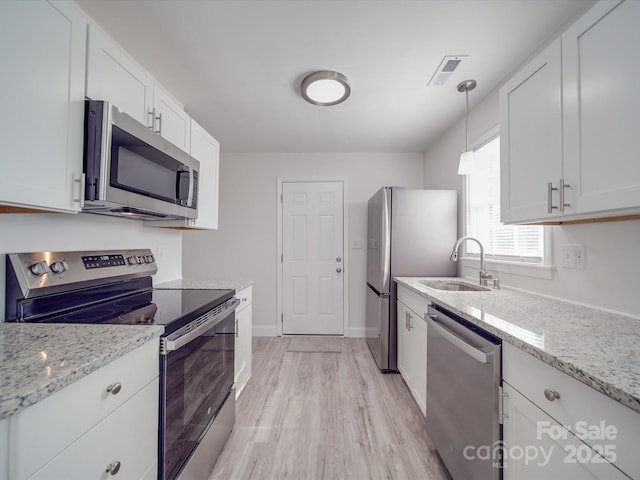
point(609, 280)
point(62, 232)
point(245, 246)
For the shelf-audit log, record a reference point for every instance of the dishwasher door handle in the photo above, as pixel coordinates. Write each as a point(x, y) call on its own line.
point(479, 355)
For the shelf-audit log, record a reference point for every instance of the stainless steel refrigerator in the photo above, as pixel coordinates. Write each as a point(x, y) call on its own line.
point(410, 233)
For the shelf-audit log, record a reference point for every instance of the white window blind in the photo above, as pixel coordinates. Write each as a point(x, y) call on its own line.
point(519, 243)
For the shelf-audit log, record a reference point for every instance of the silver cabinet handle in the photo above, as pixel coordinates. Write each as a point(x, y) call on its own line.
point(159, 118)
point(410, 323)
point(479, 355)
point(114, 388)
point(113, 468)
point(236, 328)
point(550, 190)
point(152, 120)
point(338, 270)
point(551, 395)
point(561, 188)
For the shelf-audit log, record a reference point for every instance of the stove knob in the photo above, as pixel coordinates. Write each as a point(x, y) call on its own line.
point(140, 259)
point(148, 258)
point(39, 268)
point(59, 266)
point(132, 260)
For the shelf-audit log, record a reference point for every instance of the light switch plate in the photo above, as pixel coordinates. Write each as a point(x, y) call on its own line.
point(573, 256)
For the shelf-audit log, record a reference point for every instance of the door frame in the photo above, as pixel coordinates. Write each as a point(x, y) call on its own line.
point(345, 245)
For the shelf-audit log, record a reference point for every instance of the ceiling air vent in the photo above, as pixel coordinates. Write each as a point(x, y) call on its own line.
point(447, 66)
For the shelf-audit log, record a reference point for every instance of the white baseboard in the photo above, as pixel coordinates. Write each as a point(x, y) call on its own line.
point(264, 331)
point(357, 332)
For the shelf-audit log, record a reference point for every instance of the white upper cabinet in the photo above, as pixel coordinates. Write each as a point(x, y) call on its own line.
point(42, 46)
point(570, 125)
point(531, 138)
point(169, 119)
point(601, 68)
point(114, 76)
point(206, 150)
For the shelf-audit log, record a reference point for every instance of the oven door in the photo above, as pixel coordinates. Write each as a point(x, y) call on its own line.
point(196, 379)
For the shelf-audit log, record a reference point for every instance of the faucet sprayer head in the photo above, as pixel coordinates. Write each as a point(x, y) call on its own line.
point(454, 256)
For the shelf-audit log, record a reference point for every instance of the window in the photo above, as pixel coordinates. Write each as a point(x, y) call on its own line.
point(513, 243)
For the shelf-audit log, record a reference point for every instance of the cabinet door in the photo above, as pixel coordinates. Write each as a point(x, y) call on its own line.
point(531, 138)
point(171, 121)
point(412, 353)
point(601, 67)
point(243, 349)
point(42, 46)
point(113, 76)
point(129, 436)
point(536, 446)
point(206, 150)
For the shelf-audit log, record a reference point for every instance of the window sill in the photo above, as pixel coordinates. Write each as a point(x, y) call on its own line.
point(512, 268)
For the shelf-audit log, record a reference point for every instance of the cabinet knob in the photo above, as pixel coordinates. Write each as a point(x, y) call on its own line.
point(113, 468)
point(551, 395)
point(114, 389)
point(338, 270)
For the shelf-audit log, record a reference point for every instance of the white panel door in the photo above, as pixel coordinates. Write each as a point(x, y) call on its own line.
point(312, 259)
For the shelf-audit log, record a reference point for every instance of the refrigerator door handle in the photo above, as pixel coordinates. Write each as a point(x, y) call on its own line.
point(385, 248)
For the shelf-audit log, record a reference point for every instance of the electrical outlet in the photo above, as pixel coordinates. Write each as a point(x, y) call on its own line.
point(356, 243)
point(573, 256)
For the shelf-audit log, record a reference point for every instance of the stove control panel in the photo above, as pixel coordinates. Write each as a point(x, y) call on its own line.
point(53, 272)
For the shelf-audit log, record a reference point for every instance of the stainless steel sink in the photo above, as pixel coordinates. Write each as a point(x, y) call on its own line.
point(453, 285)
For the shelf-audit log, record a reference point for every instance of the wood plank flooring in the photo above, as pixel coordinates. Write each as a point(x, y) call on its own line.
point(330, 415)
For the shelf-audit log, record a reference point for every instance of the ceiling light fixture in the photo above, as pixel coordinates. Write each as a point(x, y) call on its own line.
point(325, 88)
point(466, 165)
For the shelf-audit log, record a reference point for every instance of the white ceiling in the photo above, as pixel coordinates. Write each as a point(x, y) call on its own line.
point(236, 65)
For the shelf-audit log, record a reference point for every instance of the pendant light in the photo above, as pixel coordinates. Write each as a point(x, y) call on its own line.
point(466, 165)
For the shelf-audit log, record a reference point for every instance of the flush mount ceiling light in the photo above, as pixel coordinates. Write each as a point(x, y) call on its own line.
point(466, 165)
point(325, 88)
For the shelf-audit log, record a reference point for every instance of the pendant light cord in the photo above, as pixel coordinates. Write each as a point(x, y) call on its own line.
point(466, 141)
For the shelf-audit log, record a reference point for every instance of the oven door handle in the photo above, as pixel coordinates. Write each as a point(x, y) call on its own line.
point(169, 345)
point(479, 355)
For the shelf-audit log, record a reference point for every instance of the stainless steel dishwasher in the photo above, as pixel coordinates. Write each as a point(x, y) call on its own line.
point(463, 381)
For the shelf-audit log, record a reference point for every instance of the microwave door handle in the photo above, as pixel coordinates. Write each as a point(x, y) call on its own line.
point(182, 186)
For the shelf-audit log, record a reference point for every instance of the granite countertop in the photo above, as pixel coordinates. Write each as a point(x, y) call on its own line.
point(208, 284)
point(37, 360)
point(597, 348)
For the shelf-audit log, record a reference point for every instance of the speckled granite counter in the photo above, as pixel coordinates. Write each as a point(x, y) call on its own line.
point(600, 349)
point(37, 360)
point(191, 284)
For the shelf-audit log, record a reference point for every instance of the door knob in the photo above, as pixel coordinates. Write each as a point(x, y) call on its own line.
point(338, 270)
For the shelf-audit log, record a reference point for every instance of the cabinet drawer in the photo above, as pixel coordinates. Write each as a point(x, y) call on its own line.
point(245, 297)
point(415, 302)
point(128, 436)
point(593, 417)
point(45, 429)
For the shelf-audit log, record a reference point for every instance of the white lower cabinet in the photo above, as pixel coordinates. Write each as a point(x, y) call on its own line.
point(558, 427)
point(539, 447)
point(104, 424)
point(412, 344)
point(123, 444)
point(243, 340)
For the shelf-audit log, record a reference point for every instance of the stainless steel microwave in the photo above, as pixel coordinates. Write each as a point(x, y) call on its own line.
point(132, 172)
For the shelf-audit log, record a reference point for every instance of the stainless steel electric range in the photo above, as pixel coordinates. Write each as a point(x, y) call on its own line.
point(196, 397)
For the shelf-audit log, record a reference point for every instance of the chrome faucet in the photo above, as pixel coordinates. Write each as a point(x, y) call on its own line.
point(484, 275)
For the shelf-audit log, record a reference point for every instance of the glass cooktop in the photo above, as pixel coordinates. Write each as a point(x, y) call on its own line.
point(169, 308)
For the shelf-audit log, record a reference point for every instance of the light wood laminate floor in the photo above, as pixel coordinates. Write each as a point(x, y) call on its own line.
point(330, 415)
